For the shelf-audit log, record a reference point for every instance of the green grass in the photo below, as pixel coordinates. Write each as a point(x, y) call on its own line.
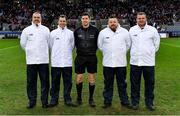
point(13, 99)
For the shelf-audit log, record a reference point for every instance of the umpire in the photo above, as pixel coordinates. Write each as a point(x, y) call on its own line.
point(114, 42)
point(145, 43)
point(62, 45)
point(35, 42)
point(86, 46)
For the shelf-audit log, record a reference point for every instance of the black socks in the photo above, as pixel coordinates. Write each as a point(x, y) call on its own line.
point(79, 91)
point(79, 87)
point(91, 91)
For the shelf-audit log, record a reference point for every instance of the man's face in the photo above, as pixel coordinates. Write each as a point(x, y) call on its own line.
point(62, 22)
point(141, 20)
point(113, 24)
point(85, 20)
point(36, 18)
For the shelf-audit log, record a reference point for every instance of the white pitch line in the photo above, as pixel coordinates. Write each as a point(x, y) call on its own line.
point(9, 48)
point(170, 45)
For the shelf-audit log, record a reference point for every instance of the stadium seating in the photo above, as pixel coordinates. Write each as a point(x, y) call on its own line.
point(16, 14)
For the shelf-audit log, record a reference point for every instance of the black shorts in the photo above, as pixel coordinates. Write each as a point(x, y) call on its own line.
point(85, 62)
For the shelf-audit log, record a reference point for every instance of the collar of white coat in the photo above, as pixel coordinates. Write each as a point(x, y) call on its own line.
point(117, 30)
point(62, 28)
point(37, 25)
point(145, 27)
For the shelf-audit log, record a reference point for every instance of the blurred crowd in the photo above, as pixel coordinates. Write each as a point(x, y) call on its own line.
point(16, 14)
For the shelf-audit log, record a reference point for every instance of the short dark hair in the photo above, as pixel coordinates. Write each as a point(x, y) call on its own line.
point(141, 13)
point(112, 16)
point(85, 14)
point(63, 16)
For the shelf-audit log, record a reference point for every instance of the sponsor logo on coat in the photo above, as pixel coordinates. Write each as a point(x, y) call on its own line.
point(31, 34)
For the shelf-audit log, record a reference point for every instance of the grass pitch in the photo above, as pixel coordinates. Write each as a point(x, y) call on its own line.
point(13, 98)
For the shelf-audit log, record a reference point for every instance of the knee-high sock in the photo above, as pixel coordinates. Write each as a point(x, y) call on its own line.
point(91, 90)
point(79, 90)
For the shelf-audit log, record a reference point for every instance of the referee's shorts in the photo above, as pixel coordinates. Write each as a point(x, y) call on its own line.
point(88, 62)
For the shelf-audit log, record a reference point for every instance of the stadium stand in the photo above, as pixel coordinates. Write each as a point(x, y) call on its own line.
point(15, 15)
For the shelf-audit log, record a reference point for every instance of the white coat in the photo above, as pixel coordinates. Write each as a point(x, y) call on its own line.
point(145, 43)
point(114, 46)
point(62, 45)
point(35, 42)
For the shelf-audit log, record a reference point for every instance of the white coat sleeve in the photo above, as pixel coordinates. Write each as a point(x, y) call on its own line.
point(23, 39)
point(51, 41)
point(48, 38)
point(156, 40)
point(100, 41)
point(128, 42)
point(72, 41)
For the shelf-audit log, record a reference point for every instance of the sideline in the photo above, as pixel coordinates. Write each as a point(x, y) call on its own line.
point(170, 45)
point(9, 48)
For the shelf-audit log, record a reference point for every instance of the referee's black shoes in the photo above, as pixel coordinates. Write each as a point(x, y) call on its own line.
point(79, 102)
point(92, 103)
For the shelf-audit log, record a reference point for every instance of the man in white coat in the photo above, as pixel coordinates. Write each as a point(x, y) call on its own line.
point(145, 43)
point(35, 42)
point(114, 42)
point(62, 45)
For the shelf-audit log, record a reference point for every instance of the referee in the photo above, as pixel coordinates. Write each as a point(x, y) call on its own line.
point(86, 46)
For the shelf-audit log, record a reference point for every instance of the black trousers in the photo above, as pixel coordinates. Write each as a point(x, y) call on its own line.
point(32, 74)
point(135, 78)
point(67, 81)
point(109, 74)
